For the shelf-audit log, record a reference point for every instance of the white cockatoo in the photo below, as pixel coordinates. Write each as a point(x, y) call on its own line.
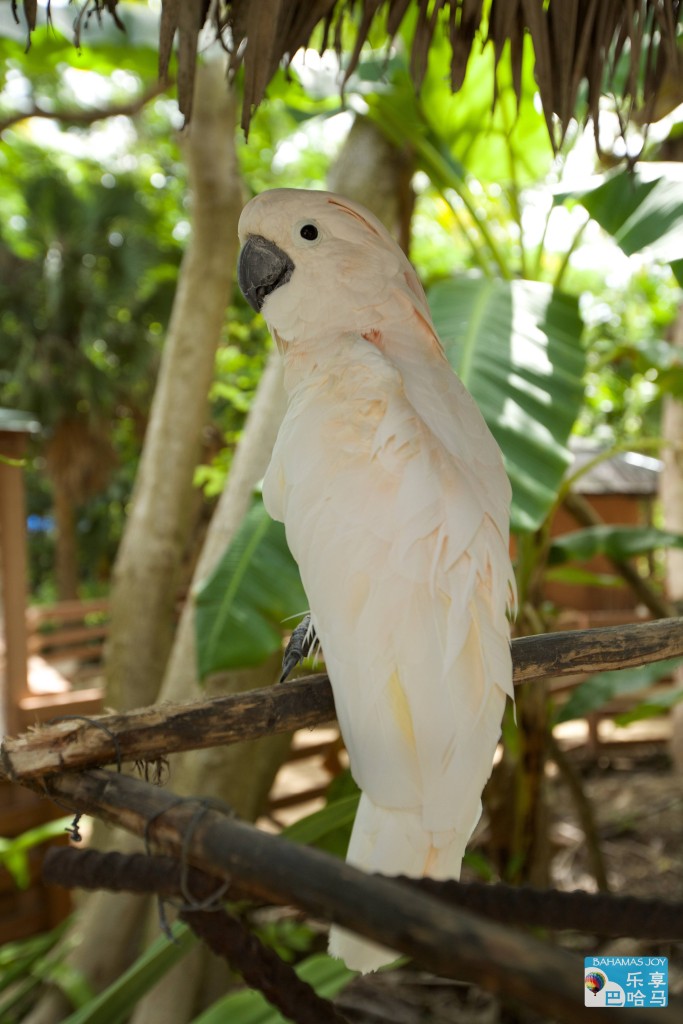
point(396, 507)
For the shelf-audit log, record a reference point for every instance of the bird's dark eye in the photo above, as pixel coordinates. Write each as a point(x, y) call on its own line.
point(309, 232)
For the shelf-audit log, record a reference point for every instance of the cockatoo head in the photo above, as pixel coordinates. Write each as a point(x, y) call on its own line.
point(319, 265)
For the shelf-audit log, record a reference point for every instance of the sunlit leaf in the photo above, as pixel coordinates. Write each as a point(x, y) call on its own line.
point(642, 210)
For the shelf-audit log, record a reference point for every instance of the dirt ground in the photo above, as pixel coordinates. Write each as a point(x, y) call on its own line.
point(637, 802)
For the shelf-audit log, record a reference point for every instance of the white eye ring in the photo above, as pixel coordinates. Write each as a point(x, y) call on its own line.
point(307, 232)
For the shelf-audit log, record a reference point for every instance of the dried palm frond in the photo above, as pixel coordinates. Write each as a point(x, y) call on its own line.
point(627, 47)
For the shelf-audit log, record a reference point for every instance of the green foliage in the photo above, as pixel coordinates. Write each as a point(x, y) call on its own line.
point(616, 542)
point(93, 221)
point(329, 828)
point(14, 853)
point(630, 365)
point(600, 689)
point(115, 1004)
point(22, 966)
point(466, 135)
point(650, 708)
point(81, 288)
point(254, 588)
point(289, 937)
point(642, 210)
point(515, 346)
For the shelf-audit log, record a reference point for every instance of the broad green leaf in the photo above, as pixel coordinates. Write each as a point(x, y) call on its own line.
point(516, 347)
point(115, 1004)
point(317, 826)
point(617, 542)
point(600, 689)
point(14, 852)
point(658, 705)
point(242, 606)
point(325, 975)
point(582, 577)
point(642, 210)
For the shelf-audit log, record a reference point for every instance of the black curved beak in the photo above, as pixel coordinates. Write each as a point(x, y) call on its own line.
point(262, 268)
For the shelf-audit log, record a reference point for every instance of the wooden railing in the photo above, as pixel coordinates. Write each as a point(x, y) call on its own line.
point(65, 646)
point(68, 630)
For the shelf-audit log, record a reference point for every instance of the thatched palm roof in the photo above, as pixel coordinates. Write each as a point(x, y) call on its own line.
point(627, 46)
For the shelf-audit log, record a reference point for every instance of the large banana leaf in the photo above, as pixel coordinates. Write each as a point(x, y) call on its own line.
point(516, 347)
point(242, 606)
point(643, 211)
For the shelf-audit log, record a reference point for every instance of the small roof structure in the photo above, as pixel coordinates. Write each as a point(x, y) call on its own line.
point(13, 421)
point(623, 473)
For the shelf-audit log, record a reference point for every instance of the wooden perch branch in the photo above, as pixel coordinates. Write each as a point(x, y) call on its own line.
point(150, 733)
point(451, 942)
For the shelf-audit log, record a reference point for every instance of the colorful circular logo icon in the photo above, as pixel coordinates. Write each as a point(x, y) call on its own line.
point(595, 981)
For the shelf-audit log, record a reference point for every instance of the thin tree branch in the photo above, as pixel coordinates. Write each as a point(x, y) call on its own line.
point(152, 733)
point(584, 811)
point(450, 942)
point(84, 116)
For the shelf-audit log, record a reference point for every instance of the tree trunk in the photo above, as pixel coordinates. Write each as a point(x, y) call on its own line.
point(149, 560)
point(372, 171)
point(671, 494)
point(240, 775)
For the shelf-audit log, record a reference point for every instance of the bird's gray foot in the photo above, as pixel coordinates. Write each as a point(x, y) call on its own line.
point(301, 642)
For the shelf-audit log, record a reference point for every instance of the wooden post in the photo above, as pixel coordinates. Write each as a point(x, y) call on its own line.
point(13, 569)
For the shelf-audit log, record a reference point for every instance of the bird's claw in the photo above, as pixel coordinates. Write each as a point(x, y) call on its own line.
point(299, 647)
